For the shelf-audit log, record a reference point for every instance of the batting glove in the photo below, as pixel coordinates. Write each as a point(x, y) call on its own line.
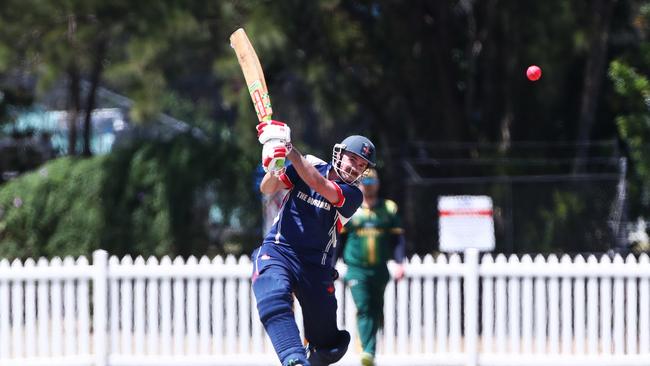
point(274, 154)
point(273, 130)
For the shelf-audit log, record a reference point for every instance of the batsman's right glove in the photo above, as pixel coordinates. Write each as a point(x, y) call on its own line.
point(274, 154)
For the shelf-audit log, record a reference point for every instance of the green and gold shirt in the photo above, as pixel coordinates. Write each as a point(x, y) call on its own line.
point(371, 234)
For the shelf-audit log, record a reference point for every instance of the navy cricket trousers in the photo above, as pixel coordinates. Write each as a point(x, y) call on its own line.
point(278, 273)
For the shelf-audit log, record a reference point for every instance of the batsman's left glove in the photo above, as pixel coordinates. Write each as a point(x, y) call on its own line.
point(273, 130)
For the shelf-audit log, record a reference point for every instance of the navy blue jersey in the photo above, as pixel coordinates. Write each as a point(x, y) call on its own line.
point(307, 222)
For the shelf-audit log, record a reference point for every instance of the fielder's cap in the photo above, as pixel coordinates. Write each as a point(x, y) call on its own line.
point(370, 177)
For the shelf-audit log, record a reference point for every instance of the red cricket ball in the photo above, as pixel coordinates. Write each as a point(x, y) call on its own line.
point(533, 72)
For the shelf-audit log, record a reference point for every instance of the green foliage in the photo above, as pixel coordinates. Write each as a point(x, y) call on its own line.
point(561, 225)
point(633, 90)
point(53, 211)
point(152, 199)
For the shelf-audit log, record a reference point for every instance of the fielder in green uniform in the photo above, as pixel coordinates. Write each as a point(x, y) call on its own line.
point(373, 236)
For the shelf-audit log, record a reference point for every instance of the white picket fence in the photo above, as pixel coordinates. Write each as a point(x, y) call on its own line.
point(447, 311)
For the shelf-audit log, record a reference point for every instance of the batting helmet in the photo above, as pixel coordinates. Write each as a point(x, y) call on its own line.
point(361, 146)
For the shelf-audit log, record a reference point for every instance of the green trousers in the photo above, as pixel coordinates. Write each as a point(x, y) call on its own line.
point(367, 287)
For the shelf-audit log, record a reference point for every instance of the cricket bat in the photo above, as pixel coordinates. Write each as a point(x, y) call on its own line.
point(254, 76)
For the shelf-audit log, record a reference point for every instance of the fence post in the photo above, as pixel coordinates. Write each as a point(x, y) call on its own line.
point(471, 305)
point(100, 313)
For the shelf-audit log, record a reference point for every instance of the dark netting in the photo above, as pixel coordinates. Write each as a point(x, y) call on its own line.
point(541, 204)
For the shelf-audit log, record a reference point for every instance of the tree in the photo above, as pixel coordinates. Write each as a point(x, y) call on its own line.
point(78, 40)
point(594, 76)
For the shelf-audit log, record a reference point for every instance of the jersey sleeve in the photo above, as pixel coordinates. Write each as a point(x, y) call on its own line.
point(350, 198)
point(289, 177)
point(396, 231)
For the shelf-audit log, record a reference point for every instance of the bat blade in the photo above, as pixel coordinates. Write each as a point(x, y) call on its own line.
point(253, 74)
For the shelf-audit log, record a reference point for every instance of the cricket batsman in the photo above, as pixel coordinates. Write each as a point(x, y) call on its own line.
point(296, 254)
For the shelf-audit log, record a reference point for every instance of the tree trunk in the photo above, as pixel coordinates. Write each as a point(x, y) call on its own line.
point(451, 112)
point(472, 50)
point(487, 110)
point(508, 117)
point(602, 13)
point(74, 104)
point(74, 99)
point(95, 77)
